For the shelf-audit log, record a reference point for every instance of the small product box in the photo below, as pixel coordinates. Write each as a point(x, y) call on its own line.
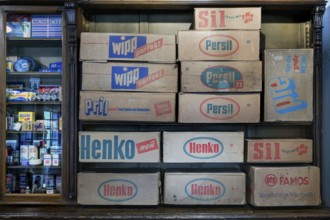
point(47, 160)
point(118, 188)
point(131, 47)
point(55, 159)
point(18, 25)
point(204, 188)
point(284, 186)
point(26, 116)
point(46, 26)
point(142, 77)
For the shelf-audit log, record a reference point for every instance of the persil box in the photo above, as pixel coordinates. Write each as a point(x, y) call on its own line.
point(203, 147)
point(119, 147)
point(130, 77)
point(127, 106)
point(218, 45)
point(288, 85)
point(227, 18)
point(204, 108)
point(119, 46)
point(204, 188)
point(279, 150)
point(284, 186)
point(118, 188)
point(236, 76)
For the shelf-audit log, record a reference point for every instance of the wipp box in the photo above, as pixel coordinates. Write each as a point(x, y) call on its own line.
point(225, 76)
point(227, 18)
point(279, 150)
point(284, 186)
point(127, 106)
point(218, 45)
point(203, 147)
point(143, 77)
point(119, 147)
point(204, 188)
point(118, 188)
point(133, 47)
point(288, 85)
point(205, 108)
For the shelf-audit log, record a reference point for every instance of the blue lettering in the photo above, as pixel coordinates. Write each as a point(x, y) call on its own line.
point(98, 107)
point(85, 147)
point(96, 147)
point(124, 46)
point(118, 149)
point(126, 77)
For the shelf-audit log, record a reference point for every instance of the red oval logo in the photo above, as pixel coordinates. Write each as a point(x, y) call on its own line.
point(270, 180)
point(219, 108)
point(218, 45)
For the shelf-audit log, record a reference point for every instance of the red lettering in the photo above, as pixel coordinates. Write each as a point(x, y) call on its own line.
point(203, 20)
point(258, 153)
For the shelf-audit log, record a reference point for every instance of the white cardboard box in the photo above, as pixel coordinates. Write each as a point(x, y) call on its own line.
point(284, 186)
point(118, 188)
point(132, 47)
point(119, 147)
point(225, 76)
point(279, 150)
point(204, 188)
point(227, 18)
point(127, 106)
point(205, 108)
point(219, 45)
point(289, 85)
point(142, 77)
point(203, 147)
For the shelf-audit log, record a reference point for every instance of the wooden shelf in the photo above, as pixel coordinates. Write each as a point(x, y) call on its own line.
point(36, 103)
point(34, 74)
point(32, 167)
point(33, 42)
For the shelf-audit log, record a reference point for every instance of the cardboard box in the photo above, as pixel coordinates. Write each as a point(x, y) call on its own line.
point(279, 150)
point(204, 108)
point(238, 76)
point(126, 106)
point(119, 147)
point(227, 18)
point(118, 188)
point(204, 188)
point(120, 46)
point(288, 85)
point(143, 77)
point(284, 186)
point(218, 45)
point(46, 26)
point(26, 116)
point(203, 147)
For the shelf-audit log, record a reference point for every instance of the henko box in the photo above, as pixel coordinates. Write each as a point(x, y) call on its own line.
point(130, 77)
point(204, 188)
point(288, 85)
point(284, 186)
point(227, 18)
point(203, 147)
point(204, 108)
point(118, 188)
point(127, 147)
point(133, 47)
point(279, 150)
point(218, 45)
point(236, 76)
point(127, 106)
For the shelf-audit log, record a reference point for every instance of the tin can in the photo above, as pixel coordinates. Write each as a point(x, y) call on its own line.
point(24, 155)
point(10, 67)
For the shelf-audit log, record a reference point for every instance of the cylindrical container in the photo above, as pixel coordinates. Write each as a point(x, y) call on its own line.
point(10, 67)
point(33, 152)
point(24, 155)
point(26, 64)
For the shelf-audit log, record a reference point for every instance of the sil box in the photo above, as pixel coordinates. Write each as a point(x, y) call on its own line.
point(127, 106)
point(205, 108)
point(218, 45)
point(236, 76)
point(132, 47)
point(204, 188)
point(119, 147)
point(279, 150)
point(288, 85)
point(143, 77)
point(118, 188)
point(203, 147)
point(284, 186)
point(227, 18)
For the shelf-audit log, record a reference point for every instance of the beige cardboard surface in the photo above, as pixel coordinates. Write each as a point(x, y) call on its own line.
point(204, 108)
point(118, 189)
point(288, 85)
point(203, 147)
point(127, 106)
point(226, 76)
point(204, 188)
point(279, 150)
point(143, 77)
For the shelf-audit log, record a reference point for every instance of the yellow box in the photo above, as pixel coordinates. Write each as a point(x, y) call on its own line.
point(26, 116)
